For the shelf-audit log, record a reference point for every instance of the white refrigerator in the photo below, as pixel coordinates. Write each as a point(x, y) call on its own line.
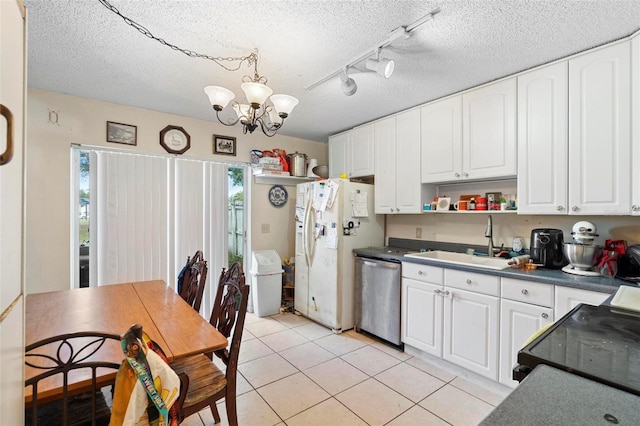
point(333, 217)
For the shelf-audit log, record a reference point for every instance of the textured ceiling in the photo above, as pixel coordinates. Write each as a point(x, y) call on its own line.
point(78, 47)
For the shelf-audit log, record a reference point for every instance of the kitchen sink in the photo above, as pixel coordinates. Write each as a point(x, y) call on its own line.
point(462, 259)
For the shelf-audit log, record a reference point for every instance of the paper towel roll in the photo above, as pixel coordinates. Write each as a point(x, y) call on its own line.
point(312, 163)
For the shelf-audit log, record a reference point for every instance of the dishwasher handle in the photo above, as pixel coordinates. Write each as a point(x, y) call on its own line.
point(384, 265)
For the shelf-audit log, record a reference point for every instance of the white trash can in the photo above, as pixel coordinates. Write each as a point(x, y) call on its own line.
point(266, 282)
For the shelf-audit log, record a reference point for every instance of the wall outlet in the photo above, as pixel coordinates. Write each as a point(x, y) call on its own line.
point(265, 228)
point(418, 232)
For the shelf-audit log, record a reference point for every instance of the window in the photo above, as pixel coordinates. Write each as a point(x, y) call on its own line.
point(149, 212)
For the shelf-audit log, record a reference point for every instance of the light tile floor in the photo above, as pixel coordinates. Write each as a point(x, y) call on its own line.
point(295, 372)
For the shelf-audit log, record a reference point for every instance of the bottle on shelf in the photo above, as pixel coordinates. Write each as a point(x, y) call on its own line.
point(472, 204)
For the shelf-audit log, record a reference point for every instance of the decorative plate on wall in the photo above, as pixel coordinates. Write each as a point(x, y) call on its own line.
point(278, 196)
point(175, 140)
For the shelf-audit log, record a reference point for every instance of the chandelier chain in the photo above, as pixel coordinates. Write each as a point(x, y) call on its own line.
point(251, 59)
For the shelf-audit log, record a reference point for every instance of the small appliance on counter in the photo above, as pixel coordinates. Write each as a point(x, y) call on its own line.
point(629, 264)
point(583, 255)
point(546, 248)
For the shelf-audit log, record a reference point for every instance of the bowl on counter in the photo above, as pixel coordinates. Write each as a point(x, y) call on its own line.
point(582, 256)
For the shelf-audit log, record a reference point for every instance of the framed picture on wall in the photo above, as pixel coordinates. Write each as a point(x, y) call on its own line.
point(122, 133)
point(225, 145)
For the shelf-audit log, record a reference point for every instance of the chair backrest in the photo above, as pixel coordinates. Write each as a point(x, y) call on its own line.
point(191, 287)
point(59, 357)
point(229, 312)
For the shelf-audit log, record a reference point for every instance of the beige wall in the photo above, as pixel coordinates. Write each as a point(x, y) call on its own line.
point(83, 121)
point(469, 227)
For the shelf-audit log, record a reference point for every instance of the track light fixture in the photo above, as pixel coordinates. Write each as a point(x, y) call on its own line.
point(383, 67)
point(349, 86)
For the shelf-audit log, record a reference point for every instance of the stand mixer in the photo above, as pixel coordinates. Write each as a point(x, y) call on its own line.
point(582, 255)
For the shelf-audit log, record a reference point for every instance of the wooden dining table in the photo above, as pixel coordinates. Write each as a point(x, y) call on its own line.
point(164, 315)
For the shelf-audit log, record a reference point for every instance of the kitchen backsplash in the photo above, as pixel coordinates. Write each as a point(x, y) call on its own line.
point(469, 227)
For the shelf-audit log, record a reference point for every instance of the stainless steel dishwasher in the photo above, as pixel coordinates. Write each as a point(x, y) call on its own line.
point(377, 298)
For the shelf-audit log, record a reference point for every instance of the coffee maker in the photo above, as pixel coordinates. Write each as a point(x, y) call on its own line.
point(546, 248)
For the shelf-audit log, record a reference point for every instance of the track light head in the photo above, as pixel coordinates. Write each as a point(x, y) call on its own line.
point(348, 85)
point(383, 67)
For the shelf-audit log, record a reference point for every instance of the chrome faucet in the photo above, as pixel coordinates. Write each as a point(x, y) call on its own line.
point(489, 234)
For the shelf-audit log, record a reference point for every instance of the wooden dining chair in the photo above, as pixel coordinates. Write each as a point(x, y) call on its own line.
point(194, 278)
point(59, 357)
point(203, 383)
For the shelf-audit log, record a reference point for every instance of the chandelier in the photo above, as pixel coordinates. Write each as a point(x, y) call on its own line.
point(256, 112)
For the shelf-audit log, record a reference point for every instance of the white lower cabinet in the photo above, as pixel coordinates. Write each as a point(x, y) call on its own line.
point(471, 322)
point(422, 302)
point(518, 322)
point(568, 298)
point(479, 321)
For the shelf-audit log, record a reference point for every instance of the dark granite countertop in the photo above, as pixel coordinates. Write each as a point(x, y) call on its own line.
point(400, 247)
point(548, 396)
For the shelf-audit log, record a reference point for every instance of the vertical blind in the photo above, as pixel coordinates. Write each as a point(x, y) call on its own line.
point(150, 212)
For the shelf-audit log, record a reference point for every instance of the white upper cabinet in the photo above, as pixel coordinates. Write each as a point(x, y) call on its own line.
point(574, 151)
point(385, 165)
point(489, 131)
point(600, 131)
point(397, 164)
point(338, 154)
point(408, 186)
point(361, 151)
point(635, 129)
point(543, 140)
point(352, 153)
point(441, 140)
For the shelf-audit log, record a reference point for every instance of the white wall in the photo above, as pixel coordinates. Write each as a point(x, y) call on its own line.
point(469, 227)
point(83, 121)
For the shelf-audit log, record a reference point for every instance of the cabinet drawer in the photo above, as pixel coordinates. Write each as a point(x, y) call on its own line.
point(471, 281)
point(431, 274)
point(528, 292)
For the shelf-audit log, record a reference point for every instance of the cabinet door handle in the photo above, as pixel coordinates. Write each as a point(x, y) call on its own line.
point(468, 281)
point(383, 265)
point(421, 273)
point(5, 157)
point(465, 174)
point(545, 315)
point(560, 208)
point(457, 175)
point(525, 291)
point(437, 291)
point(635, 208)
point(574, 209)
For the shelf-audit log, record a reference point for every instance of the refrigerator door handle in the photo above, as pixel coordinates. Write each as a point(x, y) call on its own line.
point(305, 230)
point(309, 249)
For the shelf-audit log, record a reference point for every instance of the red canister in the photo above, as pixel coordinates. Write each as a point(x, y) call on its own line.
point(481, 203)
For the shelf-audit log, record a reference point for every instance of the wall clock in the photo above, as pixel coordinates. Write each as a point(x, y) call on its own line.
point(278, 196)
point(175, 140)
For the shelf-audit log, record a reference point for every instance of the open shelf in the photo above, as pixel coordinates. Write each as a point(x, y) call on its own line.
point(282, 180)
point(470, 211)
